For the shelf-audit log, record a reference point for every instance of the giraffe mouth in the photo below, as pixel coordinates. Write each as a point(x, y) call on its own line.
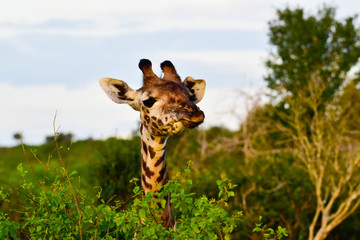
point(195, 120)
point(190, 124)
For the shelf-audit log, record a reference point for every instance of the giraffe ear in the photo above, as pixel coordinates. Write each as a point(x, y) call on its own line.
point(196, 87)
point(120, 92)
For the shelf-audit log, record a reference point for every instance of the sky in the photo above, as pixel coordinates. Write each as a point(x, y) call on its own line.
point(52, 54)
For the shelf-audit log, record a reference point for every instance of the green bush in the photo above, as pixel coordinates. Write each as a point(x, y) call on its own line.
point(59, 210)
point(117, 162)
point(62, 212)
point(8, 229)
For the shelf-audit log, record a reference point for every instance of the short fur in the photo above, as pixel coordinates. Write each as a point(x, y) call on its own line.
point(167, 106)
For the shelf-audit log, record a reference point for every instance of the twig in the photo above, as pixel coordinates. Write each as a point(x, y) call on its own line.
point(28, 160)
point(67, 177)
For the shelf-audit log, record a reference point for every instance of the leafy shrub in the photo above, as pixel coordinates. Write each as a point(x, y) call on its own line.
point(8, 229)
point(270, 233)
point(117, 162)
point(62, 212)
point(58, 209)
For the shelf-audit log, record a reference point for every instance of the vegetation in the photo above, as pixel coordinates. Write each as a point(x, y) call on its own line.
point(308, 46)
point(309, 70)
point(57, 209)
point(292, 169)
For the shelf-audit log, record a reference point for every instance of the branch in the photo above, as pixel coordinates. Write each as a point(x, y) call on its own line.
point(31, 167)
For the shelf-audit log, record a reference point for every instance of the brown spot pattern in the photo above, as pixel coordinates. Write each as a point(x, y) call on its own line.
point(162, 140)
point(141, 128)
point(160, 160)
point(161, 174)
point(146, 184)
point(155, 125)
point(144, 147)
point(147, 170)
point(152, 152)
point(147, 119)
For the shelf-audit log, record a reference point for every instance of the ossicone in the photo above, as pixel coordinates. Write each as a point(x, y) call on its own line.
point(146, 67)
point(169, 71)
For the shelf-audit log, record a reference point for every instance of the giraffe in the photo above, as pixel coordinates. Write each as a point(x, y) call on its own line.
point(167, 106)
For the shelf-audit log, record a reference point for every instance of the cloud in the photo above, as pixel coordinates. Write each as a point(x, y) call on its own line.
point(53, 51)
point(246, 63)
point(88, 112)
point(85, 112)
point(111, 18)
point(235, 57)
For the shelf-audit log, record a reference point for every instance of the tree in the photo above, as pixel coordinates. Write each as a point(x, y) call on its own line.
point(61, 138)
point(330, 154)
point(316, 119)
point(17, 136)
point(311, 45)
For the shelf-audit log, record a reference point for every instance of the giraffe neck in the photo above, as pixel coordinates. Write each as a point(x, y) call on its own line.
point(153, 166)
point(154, 172)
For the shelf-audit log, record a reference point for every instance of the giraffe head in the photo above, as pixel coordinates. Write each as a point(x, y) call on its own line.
point(167, 105)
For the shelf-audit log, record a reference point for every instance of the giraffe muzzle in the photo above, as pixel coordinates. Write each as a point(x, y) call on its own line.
point(195, 120)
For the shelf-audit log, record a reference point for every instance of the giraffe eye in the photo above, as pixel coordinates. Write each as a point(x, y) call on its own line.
point(149, 102)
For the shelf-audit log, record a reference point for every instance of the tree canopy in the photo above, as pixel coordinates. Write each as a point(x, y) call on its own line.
point(308, 46)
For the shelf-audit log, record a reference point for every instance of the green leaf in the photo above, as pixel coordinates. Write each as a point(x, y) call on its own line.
point(220, 193)
point(257, 228)
point(163, 203)
point(136, 189)
point(73, 173)
point(142, 213)
point(194, 227)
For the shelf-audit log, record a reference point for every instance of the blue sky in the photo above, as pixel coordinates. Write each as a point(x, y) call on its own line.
point(54, 52)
